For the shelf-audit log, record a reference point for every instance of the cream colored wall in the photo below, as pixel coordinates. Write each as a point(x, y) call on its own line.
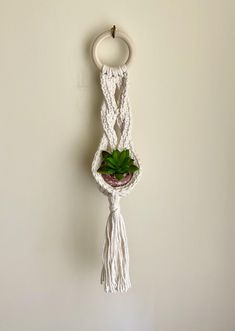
point(179, 217)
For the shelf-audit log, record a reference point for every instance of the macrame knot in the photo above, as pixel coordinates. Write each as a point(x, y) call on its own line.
point(114, 203)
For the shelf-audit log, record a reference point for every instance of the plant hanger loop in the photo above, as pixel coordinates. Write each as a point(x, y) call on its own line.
point(116, 167)
point(114, 33)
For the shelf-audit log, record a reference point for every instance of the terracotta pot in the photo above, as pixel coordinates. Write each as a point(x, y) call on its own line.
point(114, 182)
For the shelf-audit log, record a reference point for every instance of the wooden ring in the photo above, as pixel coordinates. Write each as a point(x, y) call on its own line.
point(108, 34)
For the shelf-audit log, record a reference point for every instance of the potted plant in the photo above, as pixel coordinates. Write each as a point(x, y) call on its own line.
point(117, 168)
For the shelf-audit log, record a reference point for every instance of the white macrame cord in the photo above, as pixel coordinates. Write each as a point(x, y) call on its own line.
point(116, 122)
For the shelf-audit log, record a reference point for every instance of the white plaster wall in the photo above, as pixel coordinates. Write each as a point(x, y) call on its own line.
point(180, 216)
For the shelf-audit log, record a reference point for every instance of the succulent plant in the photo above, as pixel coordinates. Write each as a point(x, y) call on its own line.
point(118, 163)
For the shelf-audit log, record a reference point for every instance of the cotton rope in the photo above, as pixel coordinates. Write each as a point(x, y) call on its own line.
point(116, 122)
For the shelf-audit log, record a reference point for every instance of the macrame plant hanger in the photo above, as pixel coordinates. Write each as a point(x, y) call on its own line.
point(116, 122)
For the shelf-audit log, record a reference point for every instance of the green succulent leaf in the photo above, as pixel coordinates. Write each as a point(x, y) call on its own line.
point(110, 166)
point(111, 161)
point(124, 170)
point(125, 163)
point(123, 155)
point(105, 154)
point(133, 168)
point(119, 176)
point(115, 155)
point(106, 170)
point(131, 161)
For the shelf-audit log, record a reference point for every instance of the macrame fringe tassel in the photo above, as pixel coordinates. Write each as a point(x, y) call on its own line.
point(115, 271)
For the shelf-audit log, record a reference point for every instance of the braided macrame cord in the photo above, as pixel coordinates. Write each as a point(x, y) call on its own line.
point(116, 122)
